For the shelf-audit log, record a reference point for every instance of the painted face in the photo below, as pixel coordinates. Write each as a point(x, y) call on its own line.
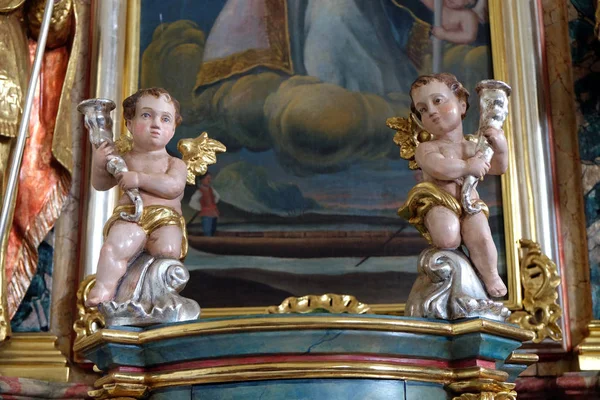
point(154, 123)
point(207, 180)
point(441, 111)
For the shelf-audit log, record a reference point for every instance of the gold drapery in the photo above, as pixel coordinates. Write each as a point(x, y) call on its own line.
point(45, 175)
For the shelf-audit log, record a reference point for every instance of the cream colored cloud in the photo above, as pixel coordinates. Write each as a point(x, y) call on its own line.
point(233, 110)
point(320, 127)
point(172, 61)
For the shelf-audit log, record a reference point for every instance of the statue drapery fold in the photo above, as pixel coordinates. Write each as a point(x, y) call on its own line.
point(45, 176)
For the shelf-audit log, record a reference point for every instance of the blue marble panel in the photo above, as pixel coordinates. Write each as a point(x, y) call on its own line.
point(306, 389)
point(305, 342)
point(176, 393)
point(513, 370)
point(425, 391)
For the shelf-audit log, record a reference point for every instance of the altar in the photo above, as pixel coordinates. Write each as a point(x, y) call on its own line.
point(309, 356)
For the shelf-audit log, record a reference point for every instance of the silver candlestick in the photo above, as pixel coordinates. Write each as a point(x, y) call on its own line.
point(100, 124)
point(493, 104)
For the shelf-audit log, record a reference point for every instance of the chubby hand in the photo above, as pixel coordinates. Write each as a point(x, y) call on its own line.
point(496, 139)
point(101, 154)
point(476, 166)
point(128, 180)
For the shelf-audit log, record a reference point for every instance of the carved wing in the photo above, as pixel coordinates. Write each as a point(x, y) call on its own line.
point(409, 134)
point(198, 154)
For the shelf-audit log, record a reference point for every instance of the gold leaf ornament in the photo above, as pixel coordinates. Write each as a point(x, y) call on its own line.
point(198, 154)
point(409, 134)
point(539, 276)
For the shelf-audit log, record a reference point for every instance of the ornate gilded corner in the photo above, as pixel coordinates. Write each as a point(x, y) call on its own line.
point(120, 391)
point(332, 303)
point(539, 277)
point(482, 389)
point(198, 154)
point(589, 349)
point(89, 320)
point(409, 134)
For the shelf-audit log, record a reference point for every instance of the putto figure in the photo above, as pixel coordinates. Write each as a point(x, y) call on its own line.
point(435, 141)
point(139, 271)
point(151, 116)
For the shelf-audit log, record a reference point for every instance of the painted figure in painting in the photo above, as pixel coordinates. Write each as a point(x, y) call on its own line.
point(440, 103)
point(151, 117)
point(460, 22)
point(204, 201)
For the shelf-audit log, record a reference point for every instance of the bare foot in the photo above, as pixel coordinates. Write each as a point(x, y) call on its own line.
point(494, 286)
point(99, 293)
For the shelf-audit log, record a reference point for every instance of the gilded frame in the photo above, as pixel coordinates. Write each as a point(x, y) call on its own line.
point(528, 195)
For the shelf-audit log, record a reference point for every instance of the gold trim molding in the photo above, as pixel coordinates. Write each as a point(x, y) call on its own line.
point(120, 391)
point(589, 349)
point(521, 358)
point(539, 277)
point(332, 303)
point(33, 356)
point(146, 381)
point(306, 322)
point(483, 389)
point(89, 320)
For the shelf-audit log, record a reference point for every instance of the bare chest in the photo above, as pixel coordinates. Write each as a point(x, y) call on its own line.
point(147, 165)
point(461, 151)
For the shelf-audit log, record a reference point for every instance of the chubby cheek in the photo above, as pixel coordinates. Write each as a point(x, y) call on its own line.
point(449, 109)
point(138, 126)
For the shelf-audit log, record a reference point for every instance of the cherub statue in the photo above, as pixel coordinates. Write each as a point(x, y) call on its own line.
point(434, 141)
point(151, 116)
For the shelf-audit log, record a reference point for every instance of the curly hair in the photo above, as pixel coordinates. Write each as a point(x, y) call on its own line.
point(125, 142)
point(449, 80)
point(130, 103)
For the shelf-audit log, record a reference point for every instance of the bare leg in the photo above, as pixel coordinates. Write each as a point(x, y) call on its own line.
point(444, 227)
point(125, 240)
point(482, 250)
point(165, 242)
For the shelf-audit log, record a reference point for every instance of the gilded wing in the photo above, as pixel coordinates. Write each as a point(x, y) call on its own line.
point(198, 154)
point(409, 134)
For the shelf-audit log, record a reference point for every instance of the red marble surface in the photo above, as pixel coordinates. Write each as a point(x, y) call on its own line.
point(572, 385)
point(22, 388)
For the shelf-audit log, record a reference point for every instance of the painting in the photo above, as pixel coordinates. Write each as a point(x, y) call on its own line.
point(299, 92)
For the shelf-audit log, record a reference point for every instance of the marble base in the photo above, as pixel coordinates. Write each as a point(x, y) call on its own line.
point(300, 356)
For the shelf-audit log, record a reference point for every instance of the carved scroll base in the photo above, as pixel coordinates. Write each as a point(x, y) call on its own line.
point(447, 287)
point(149, 294)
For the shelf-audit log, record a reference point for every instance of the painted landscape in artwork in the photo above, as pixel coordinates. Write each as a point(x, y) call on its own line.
point(299, 92)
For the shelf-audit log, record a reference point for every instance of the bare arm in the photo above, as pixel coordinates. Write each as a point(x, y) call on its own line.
point(101, 179)
point(169, 185)
point(433, 163)
point(465, 23)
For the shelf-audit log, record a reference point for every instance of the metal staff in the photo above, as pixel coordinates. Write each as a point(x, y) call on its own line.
point(437, 42)
point(17, 156)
